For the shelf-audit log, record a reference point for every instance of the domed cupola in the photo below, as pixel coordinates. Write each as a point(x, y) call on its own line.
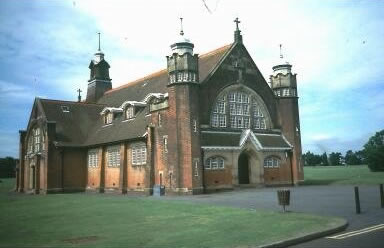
point(183, 64)
point(283, 82)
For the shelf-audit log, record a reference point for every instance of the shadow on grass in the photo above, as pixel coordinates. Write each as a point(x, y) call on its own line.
point(319, 181)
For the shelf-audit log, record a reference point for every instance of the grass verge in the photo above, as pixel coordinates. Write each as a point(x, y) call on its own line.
point(101, 220)
point(356, 175)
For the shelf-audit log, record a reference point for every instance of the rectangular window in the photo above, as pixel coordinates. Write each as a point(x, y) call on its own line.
point(221, 107)
point(93, 158)
point(285, 92)
point(233, 122)
point(130, 112)
point(232, 108)
point(231, 97)
point(108, 118)
point(165, 144)
point(179, 76)
point(196, 167)
point(245, 109)
point(139, 154)
point(113, 156)
point(185, 76)
point(239, 109)
point(214, 164)
point(215, 120)
point(159, 119)
point(222, 121)
point(221, 163)
point(194, 126)
point(246, 122)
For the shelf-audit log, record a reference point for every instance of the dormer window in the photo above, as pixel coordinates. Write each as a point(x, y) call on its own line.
point(108, 118)
point(129, 112)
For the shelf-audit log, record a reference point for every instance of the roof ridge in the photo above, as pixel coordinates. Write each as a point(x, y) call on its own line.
point(66, 101)
point(157, 73)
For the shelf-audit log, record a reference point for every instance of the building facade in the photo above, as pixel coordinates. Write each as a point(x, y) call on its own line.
point(204, 123)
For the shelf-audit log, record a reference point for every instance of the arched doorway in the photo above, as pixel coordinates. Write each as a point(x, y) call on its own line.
point(243, 169)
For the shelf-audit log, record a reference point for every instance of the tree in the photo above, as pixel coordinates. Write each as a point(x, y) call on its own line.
point(352, 158)
point(374, 152)
point(324, 159)
point(311, 159)
point(335, 158)
point(7, 167)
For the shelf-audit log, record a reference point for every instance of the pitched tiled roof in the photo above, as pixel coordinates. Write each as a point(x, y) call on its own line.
point(157, 82)
point(73, 119)
point(233, 139)
point(82, 125)
point(120, 129)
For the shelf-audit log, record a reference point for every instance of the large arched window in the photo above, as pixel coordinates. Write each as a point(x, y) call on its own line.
point(240, 108)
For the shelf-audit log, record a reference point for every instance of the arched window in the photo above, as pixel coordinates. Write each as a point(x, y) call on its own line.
point(35, 141)
point(214, 163)
point(272, 162)
point(240, 109)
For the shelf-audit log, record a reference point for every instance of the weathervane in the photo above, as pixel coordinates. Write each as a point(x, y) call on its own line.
point(181, 26)
point(281, 54)
point(99, 40)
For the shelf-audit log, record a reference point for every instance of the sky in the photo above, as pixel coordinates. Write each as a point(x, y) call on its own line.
point(335, 47)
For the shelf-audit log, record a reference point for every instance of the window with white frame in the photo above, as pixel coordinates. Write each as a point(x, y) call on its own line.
point(214, 163)
point(245, 111)
point(93, 158)
point(194, 126)
point(196, 161)
point(129, 112)
point(272, 162)
point(159, 119)
point(165, 144)
point(113, 156)
point(108, 118)
point(286, 92)
point(219, 113)
point(139, 154)
point(37, 139)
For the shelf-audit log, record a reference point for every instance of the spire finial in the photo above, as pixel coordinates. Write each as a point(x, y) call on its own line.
point(181, 26)
point(99, 40)
point(281, 54)
point(237, 23)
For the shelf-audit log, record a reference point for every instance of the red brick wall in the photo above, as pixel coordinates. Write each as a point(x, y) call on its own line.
point(74, 169)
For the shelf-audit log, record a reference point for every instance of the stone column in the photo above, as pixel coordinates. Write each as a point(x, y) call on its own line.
point(37, 174)
point(102, 171)
point(123, 170)
point(22, 153)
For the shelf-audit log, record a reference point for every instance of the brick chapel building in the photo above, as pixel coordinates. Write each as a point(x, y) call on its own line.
point(204, 123)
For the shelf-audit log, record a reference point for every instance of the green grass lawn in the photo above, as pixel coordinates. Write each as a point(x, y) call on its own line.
point(356, 174)
point(102, 220)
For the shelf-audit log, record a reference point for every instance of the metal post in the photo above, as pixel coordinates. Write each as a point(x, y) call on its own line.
point(381, 195)
point(357, 200)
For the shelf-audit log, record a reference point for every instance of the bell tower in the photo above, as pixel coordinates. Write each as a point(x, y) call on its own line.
point(99, 81)
point(184, 156)
point(284, 85)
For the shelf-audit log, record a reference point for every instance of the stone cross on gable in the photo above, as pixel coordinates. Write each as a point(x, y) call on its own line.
point(79, 96)
point(237, 23)
point(239, 66)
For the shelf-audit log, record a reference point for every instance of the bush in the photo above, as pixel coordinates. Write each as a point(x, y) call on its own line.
point(374, 152)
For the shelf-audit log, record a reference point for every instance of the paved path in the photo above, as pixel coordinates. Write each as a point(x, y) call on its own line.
point(321, 200)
